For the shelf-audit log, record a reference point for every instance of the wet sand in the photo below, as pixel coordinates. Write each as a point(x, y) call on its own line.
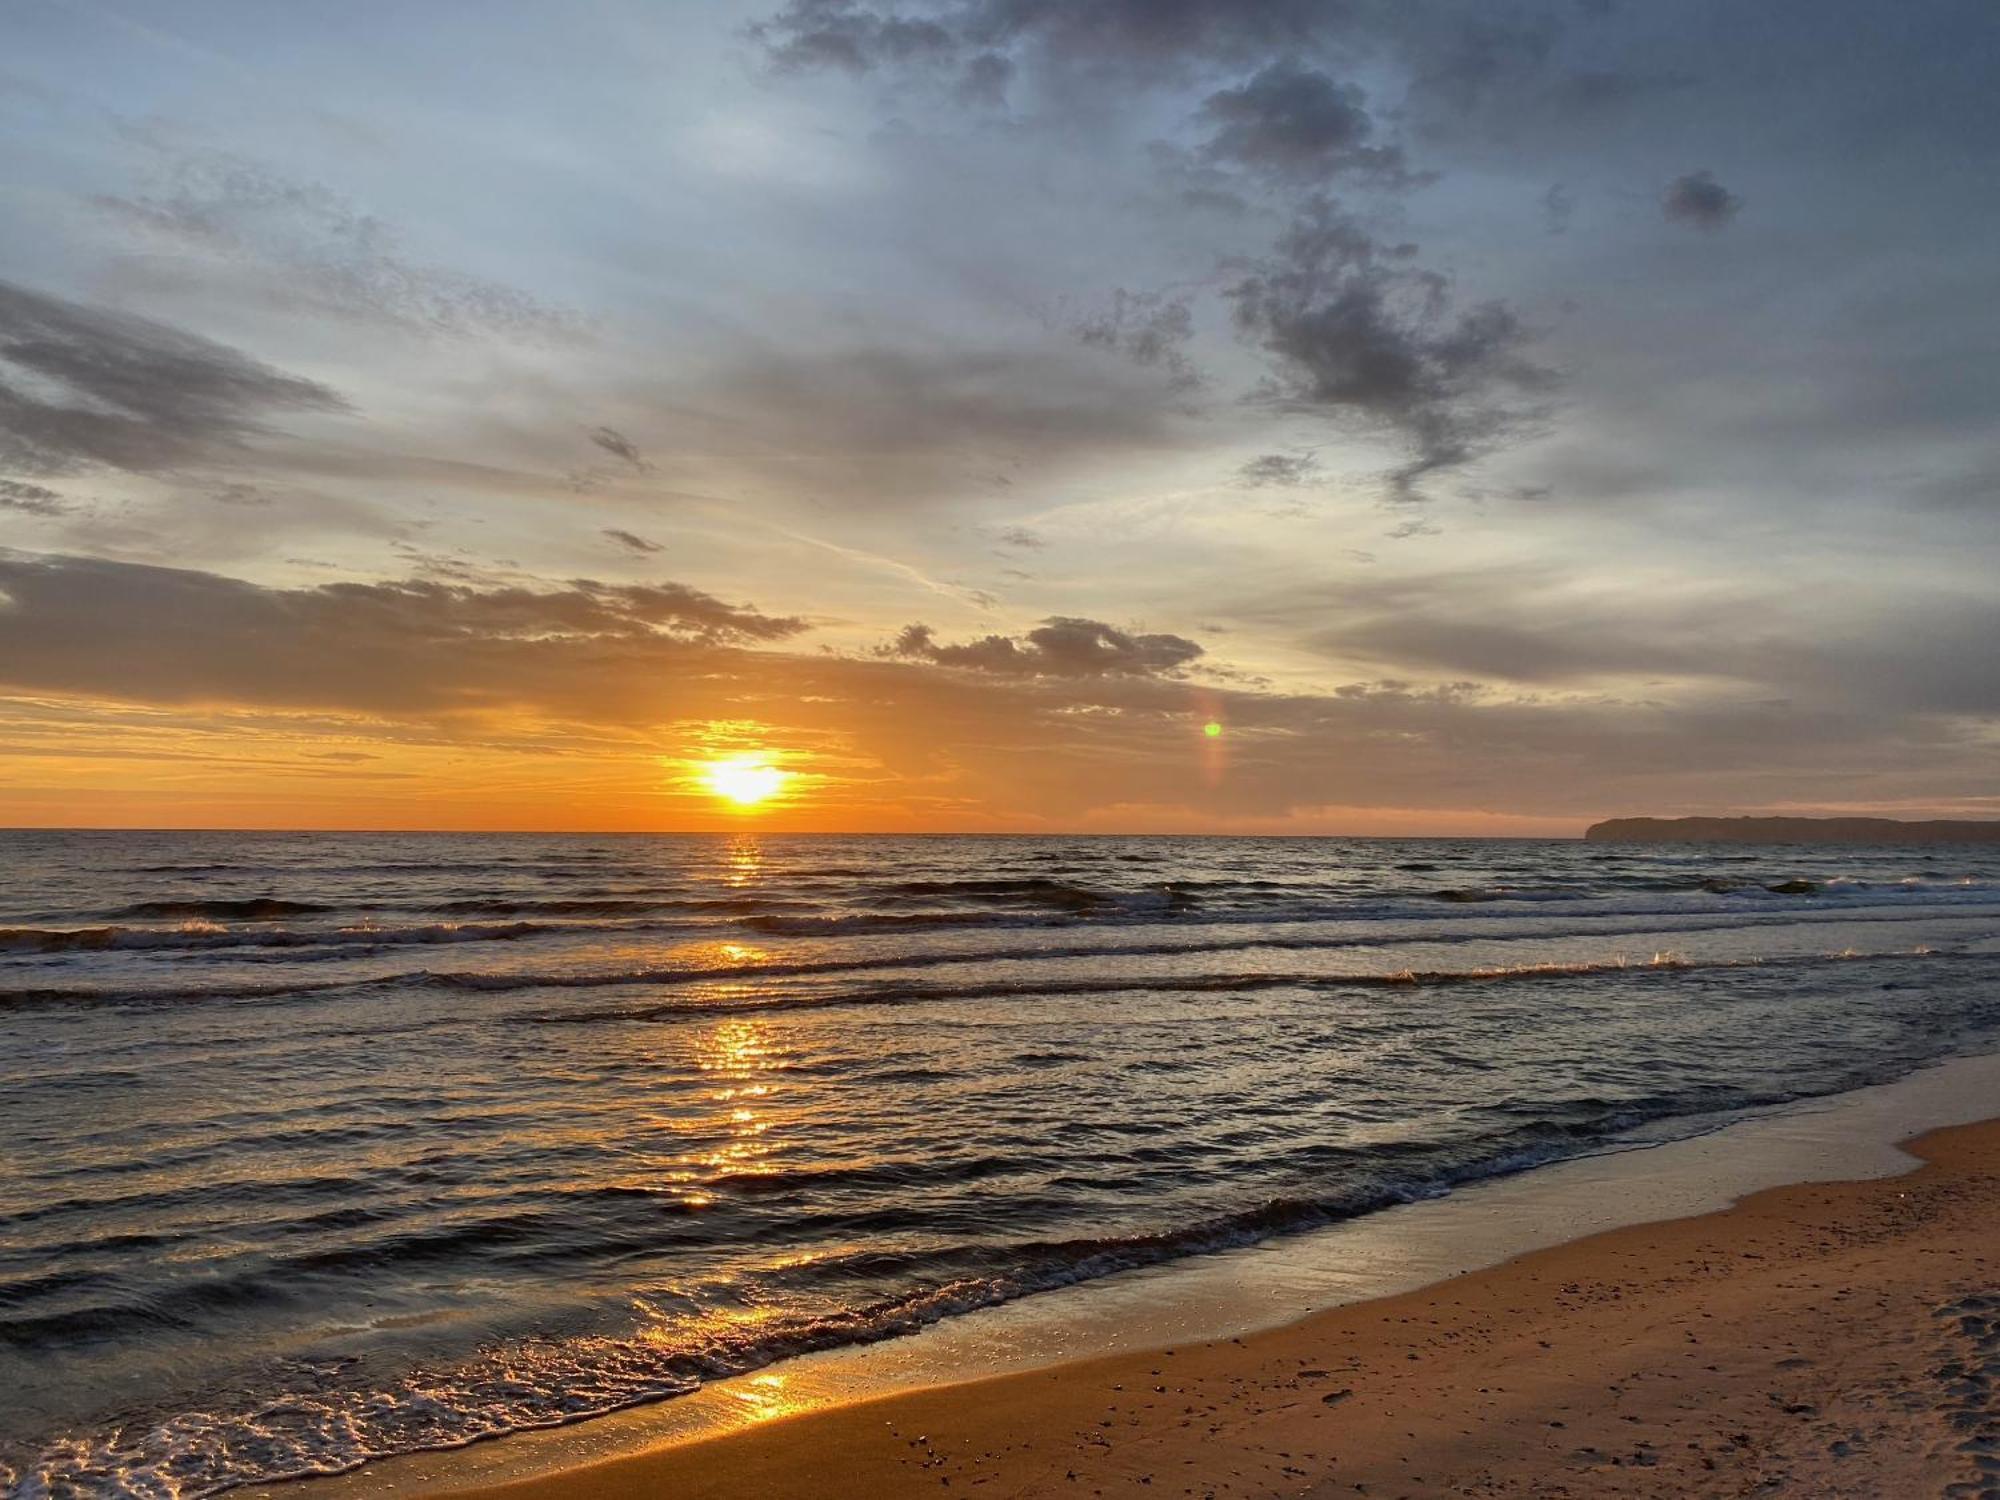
point(1817, 1340)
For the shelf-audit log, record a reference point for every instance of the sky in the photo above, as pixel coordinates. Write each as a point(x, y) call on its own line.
point(1489, 415)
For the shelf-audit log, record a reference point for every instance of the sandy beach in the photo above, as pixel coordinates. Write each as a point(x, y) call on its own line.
point(1821, 1339)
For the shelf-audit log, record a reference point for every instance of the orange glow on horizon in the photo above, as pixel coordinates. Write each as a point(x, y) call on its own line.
point(91, 763)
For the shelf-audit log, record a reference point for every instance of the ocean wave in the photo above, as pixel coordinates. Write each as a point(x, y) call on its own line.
point(1240, 982)
point(782, 917)
point(196, 936)
point(27, 997)
point(1257, 934)
point(831, 924)
point(622, 905)
point(1043, 987)
point(1024, 903)
point(250, 1193)
point(542, 1382)
point(1035, 890)
point(579, 906)
point(242, 909)
point(548, 1382)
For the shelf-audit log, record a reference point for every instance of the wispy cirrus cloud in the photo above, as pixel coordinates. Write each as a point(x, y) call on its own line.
point(239, 227)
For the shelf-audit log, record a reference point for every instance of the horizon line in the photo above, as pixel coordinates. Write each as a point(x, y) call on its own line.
point(993, 833)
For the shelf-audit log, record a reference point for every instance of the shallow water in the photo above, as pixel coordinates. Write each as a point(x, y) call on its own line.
point(320, 1147)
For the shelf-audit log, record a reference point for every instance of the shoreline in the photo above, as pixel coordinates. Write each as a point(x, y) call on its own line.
point(1816, 1340)
point(1223, 1312)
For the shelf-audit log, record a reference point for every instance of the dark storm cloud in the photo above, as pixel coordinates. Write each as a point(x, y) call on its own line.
point(31, 499)
point(1063, 646)
point(83, 385)
point(1699, 200)
point(630, 541)
point(1356, 329)
point(1298, 124)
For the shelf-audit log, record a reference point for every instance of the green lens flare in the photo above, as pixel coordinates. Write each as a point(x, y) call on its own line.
point(1212, 729)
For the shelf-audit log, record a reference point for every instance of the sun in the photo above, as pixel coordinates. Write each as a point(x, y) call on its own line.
point(745, 780)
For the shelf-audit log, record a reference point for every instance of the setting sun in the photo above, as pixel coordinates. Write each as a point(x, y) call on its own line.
point(745, 780)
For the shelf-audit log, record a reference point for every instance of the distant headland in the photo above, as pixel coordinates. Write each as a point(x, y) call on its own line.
point(1790, 831)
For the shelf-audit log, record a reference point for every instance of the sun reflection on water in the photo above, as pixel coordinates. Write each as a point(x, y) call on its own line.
point(744, 861)
point(721, 956)
point(736, 1138)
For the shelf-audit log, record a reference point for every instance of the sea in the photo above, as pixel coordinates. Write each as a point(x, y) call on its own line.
point(320, 1147)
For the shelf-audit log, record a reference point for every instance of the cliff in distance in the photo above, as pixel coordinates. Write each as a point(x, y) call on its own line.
point(1789, 831)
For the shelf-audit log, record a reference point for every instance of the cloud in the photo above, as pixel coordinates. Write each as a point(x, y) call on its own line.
point(236, 492)
point(880, 425)
point(1074, 720)
point(1455, 54)
point(1062, 646)
point(31, 499)
point(984, 80)
point(630, 541)
point(1151, 330)
point(614, 442)
point(1699, 200)
point(83, 386)
point(1356, 329)
point(1286, 469)
point(153, 634)
point(240, 227)
point(843, 34)
point(1542, 628)
point(1297, 124)
point(839, 34)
